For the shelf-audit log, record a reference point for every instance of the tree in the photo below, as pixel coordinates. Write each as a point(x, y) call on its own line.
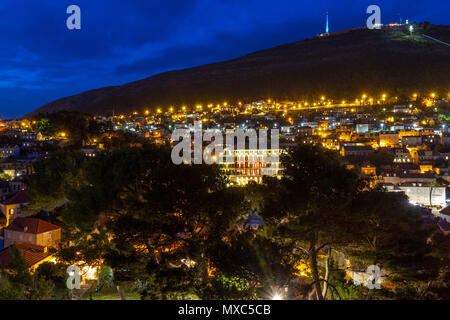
point(76, 126)
point(53, 179)
point(249, 265)
point(390, 233)
point(176, 231)
point(55, 272)
point(145, 217)
point(19, 284)
point(321, 208)
point(439, 286)
point(381, 157)
point(5, 177)
point(309, 205)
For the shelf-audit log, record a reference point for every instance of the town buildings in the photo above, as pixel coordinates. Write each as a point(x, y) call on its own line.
point(403, 147)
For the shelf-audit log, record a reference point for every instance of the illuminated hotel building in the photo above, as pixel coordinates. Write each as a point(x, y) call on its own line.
point(245, 165)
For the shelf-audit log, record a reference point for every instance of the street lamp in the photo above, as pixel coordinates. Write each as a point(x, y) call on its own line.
point(411, 29)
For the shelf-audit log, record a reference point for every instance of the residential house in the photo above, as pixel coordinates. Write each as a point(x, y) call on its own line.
point(305, 131)
point(34, 255)
point(32, 230)
point(90, 151)
point(426, 155)
point(368, 170)
point(431, 139)
point(407, 168)
point(402, 177)
point(388, 139)
point(401, 155)
point(10, 151)
point(356, 150)
point(12, 206)
point(446, 139)
point(411, 141)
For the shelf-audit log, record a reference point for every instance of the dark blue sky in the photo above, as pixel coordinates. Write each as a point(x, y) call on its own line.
point(124, 40)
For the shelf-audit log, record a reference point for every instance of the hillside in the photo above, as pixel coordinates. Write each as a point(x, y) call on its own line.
point(343, 64)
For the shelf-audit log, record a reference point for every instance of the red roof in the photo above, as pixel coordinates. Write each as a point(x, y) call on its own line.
point(31, 225)
point(19, 197)
point(30, 252)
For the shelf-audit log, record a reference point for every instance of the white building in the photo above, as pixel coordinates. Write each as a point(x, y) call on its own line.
point(362, 128)
point(421, 194)
point(245, 165)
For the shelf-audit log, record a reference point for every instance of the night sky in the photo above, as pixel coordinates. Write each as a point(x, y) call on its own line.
point(122, 41)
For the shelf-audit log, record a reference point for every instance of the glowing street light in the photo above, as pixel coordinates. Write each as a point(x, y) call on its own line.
point(277, 296)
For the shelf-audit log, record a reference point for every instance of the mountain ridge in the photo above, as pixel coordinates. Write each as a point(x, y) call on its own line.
point(342, 64)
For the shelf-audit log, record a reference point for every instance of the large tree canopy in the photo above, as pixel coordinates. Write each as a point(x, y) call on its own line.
point(321, 206)
point(144, 216)
point(177, 230)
